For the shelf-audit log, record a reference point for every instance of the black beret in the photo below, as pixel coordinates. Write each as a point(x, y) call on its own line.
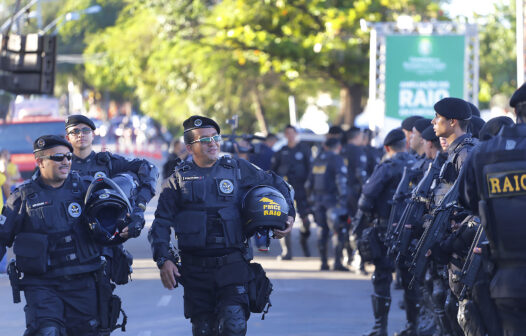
point(518, 96)
point(474, 110)
point(453, 108)
point(394, 136)
point(422, 124)
point(49, 141)
point(475, 124)
point(76, 119)
point(493, 127)
point(429, 134)
point(409, 122)
point(195, 122)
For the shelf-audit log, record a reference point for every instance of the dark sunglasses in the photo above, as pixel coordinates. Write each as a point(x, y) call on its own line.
point(207, 140)
point(77, 131)
point(58, 157)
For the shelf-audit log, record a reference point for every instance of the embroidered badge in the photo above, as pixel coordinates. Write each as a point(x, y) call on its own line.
point(74, 210)
point(99, 174)
point(198, 122)
point(226, 186)
point(298, 155)
point(41, 143)
point(2, 219)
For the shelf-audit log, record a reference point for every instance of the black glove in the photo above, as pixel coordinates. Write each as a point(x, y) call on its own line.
point(136, 223)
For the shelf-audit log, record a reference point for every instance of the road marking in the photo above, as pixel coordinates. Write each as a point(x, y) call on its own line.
point(164, 301)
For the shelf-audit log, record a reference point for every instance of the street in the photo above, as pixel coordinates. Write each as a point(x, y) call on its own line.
point(305, 301)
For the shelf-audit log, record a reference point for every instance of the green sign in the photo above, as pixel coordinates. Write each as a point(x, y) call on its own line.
point(420, 70)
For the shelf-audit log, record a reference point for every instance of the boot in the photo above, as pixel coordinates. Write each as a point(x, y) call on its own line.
point(338, 256)
point(304, 242)
point(323, 257)
point(381, 306)
point(411, 313)
point(286, 253)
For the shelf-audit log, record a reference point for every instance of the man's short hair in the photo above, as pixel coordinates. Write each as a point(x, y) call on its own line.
point(188, 137)
point(271, 136)
point(291, 127)
point(398, 146)
point(463, 124)
point(352, 133)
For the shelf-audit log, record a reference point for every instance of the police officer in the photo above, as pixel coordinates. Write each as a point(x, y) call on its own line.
point(492, 188)
point(408, 125)
point(202, 202)
point(375, 201)
point(292, 162)
point(80, 133)
point(328, 188)
point(42, 220)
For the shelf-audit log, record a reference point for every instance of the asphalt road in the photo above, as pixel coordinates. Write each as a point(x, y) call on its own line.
point(305, 300)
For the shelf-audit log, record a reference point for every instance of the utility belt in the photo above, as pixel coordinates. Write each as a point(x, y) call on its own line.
point(211, 261)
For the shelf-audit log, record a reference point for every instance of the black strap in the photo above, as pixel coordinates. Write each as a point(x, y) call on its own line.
point(211, 261)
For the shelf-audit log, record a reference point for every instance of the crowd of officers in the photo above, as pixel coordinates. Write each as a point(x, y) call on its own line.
point(439, 205)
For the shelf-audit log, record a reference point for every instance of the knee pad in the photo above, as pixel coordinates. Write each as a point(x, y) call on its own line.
point(203, 325)
point(232, 321)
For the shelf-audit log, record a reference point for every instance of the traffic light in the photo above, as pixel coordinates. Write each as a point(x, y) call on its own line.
point(27, 63)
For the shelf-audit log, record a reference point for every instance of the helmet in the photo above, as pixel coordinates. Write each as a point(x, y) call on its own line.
point(107, 204)
point(263, 208)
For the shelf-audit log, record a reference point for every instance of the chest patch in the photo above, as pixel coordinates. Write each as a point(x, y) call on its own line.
point(192, 178)
point(319, 169)
point(505, 184)
point(99, 174)
point(226, 186)
point(2, 219)
point(74, 209)
point(40, 204)
point(298, 156)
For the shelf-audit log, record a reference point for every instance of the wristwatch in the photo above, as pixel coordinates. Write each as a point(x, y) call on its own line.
point(160, 262)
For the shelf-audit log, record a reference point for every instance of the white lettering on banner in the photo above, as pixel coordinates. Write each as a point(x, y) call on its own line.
point(420, 97)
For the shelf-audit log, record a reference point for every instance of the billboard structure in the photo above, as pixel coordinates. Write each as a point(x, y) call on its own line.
point(412, 68)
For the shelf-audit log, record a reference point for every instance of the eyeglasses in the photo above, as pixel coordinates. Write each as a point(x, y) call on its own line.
point(77, 131)
point(207, 140)
point(58, 157)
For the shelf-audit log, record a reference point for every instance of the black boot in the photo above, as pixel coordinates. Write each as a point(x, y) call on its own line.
point(304, 238)
point(381, 306)
point(411, 312)
point(286, 247)
point(338, 254)
point(323, 257)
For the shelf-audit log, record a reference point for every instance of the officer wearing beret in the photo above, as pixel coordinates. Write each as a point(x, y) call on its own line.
point(431, 143)
point(494, 187)
point(327, 185)
point(407, 127)
point(292, 162)
point(201, 201)
point(42, 221)
point(375, 201)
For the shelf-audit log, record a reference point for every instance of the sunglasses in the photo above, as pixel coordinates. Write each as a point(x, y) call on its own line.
point(58, 157)
point(207, 140)
point(77, 131)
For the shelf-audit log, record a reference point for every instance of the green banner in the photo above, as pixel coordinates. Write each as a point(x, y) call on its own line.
point(420, 70)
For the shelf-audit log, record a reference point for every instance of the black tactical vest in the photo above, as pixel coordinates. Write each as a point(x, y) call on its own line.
point(292, 164)
point(95, 165)
point(500, 166)
point(210, 206)
point(54, 227)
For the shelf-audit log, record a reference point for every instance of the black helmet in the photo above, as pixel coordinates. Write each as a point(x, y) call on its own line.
point(263, 208)
point(107, 204)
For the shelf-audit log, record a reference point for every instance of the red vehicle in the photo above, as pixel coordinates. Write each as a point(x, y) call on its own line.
point(18, 137)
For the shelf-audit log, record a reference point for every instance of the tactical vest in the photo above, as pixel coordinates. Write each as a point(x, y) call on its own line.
point(292, 164)
point(501, 177)
point(210, 215)
point(53, 241)
point(98, 165)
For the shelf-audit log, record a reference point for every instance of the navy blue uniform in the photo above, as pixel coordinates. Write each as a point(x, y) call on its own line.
point(202, 206)
point(56, 255)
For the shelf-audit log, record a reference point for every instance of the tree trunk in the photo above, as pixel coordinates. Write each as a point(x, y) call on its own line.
point(350, 103)
point(259, 111)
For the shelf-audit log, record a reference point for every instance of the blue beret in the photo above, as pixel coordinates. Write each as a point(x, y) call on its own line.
point(76, 119)
point(49, 141)
point(474, 110)
point(394, 136)
point(422, 124)
point(195, 122)
point(409, 123)
point(429, 134)
point(518, 96)
point(453, 108)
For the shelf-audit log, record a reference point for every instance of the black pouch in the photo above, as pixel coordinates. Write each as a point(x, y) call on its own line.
point(121, 266)
point(31, 250)
point(370, 246)
point(190, 228)
point(259, 290)
point(114, 312)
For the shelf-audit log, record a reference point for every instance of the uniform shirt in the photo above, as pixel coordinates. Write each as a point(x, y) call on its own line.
point(292, 163)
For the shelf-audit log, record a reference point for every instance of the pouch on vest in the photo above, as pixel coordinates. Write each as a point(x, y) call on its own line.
point(231, 219)
point(370, 246)
point(190, 228)
point(121, 266)
point(31, 250)
point(193, 190)
point(259, 290)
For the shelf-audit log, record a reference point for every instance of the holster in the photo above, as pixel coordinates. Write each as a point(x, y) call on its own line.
point(14, 279)
point(370, 246)
point(121, 269)
point(31, 250)
point(259, 290)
